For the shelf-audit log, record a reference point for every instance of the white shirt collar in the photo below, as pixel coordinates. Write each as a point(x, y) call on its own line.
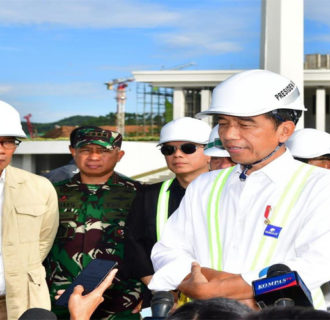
point(3, 175)
point(283, 165)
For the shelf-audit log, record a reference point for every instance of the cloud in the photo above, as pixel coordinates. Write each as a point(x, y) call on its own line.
point(51, 89)
point(85, 13)
point(48, 102)
point(199, 43)
point(318, 11)
point(214, 30)
point(10, 49)
point(214, 27)
point(319, 38)
point(5, 89)
point(125, 68)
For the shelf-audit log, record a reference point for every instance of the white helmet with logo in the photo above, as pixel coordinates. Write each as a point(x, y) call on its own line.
point(215, 148)
point(252, 93)
point(309, 143)
point(185, 129)
point(10, 122)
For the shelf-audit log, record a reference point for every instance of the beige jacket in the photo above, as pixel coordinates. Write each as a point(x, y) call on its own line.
point(29, 225)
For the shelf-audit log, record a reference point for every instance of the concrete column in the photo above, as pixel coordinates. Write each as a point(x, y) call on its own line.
point(282, 40)
point(320, 112)
point(178, 103)
point(206, 96)
point(28, 163)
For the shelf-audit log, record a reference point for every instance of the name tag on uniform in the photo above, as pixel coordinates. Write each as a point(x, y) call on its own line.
point(272, 231)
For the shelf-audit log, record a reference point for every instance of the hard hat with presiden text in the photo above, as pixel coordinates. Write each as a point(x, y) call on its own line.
point(252, 93)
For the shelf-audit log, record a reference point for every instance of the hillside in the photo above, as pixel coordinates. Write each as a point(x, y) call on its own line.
point(108, 120)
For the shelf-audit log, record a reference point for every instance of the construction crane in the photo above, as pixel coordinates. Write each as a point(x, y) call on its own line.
point(29, 125)
point(120, 86)
point(180, 66)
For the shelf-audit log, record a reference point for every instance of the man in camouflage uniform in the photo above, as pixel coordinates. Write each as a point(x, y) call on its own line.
point(93, 208)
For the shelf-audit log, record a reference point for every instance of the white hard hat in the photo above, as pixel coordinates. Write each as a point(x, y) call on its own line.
point(252, 93)
point(185, 129)
point(215, 148)
point(10, 122)
point(309, 143)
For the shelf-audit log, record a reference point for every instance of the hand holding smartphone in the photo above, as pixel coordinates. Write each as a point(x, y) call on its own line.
point(89, 278)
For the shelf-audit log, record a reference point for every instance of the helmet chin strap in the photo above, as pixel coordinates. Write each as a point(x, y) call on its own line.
point(247, 167)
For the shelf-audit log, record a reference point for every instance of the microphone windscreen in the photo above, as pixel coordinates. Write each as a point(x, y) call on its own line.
point(37, 314)
point(162, 296)
point(277, 270)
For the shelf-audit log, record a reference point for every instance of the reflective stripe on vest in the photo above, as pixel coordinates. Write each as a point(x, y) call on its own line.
point(281, 212)
point(280, 215)
point(162, 207)
point(213, 218)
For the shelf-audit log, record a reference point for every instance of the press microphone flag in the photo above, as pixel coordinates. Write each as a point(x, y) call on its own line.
point(281, 287)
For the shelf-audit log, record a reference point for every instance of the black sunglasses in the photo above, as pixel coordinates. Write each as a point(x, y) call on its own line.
point(187, 148)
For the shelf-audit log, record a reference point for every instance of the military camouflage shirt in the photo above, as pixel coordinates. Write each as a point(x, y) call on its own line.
point(92, 225)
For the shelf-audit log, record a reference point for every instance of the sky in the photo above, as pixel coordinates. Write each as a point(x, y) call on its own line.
point(56, 55)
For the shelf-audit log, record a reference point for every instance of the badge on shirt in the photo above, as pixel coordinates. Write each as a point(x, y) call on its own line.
point(272, 231)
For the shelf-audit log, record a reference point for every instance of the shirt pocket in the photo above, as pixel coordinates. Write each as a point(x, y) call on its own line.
point(29, 220)
point(38, 290)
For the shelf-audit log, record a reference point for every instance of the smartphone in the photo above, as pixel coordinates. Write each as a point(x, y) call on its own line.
point(89, 278)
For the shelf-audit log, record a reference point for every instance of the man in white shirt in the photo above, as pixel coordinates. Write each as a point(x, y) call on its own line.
point(28, 224)
point(268, 209)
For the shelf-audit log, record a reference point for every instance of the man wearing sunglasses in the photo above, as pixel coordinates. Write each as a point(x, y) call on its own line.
point(233, 224)
point(28, 220)
point(182, 143)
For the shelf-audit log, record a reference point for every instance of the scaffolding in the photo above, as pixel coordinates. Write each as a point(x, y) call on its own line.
point(154, 107)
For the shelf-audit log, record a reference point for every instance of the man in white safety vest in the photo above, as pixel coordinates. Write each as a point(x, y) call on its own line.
point(234, 223)
point(182, 143)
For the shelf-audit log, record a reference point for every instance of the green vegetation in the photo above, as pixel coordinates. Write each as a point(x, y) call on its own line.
point(143, 120)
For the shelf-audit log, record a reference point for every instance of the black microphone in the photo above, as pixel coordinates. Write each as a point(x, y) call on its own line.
point(37, 314)
point(161, 303)
point(281, 287)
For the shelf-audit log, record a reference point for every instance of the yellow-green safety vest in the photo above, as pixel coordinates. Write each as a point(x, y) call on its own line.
point(280, 215)
point(162, 207)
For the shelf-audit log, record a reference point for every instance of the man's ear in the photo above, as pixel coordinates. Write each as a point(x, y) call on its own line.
point(73, 151)
point(285, 130)
point(120, 155)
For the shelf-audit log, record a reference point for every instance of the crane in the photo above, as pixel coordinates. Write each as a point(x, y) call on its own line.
point(120, 86)
point(29, 125)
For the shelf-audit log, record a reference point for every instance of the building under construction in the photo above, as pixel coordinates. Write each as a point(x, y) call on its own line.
point(154, 107)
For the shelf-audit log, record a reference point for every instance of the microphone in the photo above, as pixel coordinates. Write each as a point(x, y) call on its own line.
point(281, 287)
point(161, 303)
point(37, 314)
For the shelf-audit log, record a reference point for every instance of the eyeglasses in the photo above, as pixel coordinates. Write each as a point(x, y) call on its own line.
point(187, 148)
point(10, 144)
